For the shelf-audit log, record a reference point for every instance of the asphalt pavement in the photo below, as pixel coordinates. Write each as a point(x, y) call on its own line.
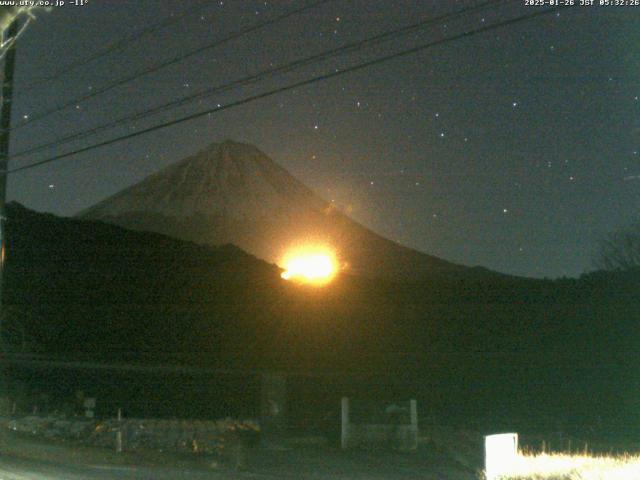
point(14, 468)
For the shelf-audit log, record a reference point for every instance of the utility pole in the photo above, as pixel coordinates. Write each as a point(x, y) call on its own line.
point(5, 126)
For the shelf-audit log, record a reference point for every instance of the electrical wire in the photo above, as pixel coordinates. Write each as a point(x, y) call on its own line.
point(117, 45)
point(291, 86)
point(168, 63)
point(247, 80)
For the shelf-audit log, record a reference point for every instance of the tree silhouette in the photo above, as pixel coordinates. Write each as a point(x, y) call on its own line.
point(620, 250)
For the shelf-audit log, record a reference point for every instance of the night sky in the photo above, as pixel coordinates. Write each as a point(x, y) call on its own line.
point(516, 149)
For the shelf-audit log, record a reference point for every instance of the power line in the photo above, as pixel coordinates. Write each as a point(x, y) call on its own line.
point(292, 86)
point(52, 362)
point(117, 45)
point(45, 362)
point(168, 63)
point(385, 36)
point(49, 362)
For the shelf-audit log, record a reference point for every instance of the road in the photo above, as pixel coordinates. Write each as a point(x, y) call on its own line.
point(23, 457)
point(13, 468)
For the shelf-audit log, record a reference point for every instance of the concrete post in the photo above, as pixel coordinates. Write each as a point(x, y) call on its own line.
point(119, 432)
point(273, 399)
point(344, 437)
point(413, 412)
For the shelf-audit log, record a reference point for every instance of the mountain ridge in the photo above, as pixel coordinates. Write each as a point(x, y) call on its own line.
point(232, 192)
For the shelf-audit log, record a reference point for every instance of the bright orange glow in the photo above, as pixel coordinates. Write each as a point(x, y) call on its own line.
point(314, 265)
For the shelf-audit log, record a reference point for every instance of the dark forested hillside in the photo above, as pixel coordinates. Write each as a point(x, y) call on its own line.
point(481, 348)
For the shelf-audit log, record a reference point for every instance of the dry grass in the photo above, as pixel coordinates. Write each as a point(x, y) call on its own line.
point(559, 466)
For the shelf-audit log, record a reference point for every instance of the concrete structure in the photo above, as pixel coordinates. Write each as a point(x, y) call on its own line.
point(394, 433)
point(273, 397)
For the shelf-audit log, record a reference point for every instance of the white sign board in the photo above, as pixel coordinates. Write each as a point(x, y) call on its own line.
point(500, 454)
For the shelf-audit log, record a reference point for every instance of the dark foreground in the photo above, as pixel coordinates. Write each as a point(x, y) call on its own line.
point(22, 458)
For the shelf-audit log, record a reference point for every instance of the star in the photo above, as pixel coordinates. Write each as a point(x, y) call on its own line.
point(504, 210)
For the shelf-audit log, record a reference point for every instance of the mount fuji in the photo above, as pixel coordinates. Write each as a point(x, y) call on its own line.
point(233, 193)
